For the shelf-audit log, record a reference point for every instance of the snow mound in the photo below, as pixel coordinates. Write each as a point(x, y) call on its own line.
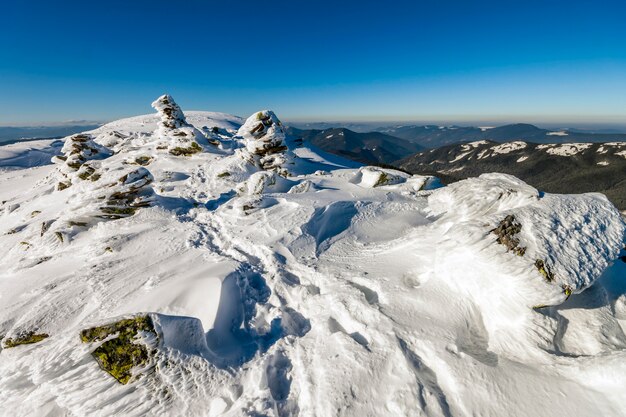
point(28, 154)
point(485, 195)
point(196, 263)
point(554, 235)
point(371, 177)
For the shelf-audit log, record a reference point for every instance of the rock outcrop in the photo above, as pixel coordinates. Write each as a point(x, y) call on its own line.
point(264, 139)
point(123, 351)
point(76, 163)
point(174, 133)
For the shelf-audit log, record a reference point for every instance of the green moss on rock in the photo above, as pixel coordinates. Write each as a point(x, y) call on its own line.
point(24, 339)
point(118, 211)
point(567, 290)
point(75, 164)
point(63, 185)
point(86, 172)
point(192, 149)
point(143, 160)
point(270, 150)
point(77, 224)
point(382, 180)
point(544, 270)
point(120, 354)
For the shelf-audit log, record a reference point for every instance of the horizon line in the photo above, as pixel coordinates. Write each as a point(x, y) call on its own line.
point(467, 120)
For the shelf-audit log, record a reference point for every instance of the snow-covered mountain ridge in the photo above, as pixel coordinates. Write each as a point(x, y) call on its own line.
point(556, 168)
point(202, 264)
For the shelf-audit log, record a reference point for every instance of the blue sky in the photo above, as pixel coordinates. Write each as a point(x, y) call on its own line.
point(536, 61)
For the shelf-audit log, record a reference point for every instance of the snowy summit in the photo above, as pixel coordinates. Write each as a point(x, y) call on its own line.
point(200, 264)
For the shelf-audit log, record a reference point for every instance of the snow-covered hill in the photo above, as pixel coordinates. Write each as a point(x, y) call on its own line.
point(200, 264)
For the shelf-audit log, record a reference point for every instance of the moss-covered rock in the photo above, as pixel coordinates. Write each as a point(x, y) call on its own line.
point(143, 160)
point(26, 338)
point(123, 352)
point(567, 290)
point(63, 185)
point(132, 192)
point(545, 270)
point(44, 227)
point(382, 180)
point(77, 150)
point(86, 171)
point(117, 212)
point(77, 223)
point(188, 151)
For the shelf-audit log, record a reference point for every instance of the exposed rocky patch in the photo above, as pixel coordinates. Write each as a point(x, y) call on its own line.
point(76, 162)
point(123, 351)
point(506, 232)
point(25, 338)
point(544, 270)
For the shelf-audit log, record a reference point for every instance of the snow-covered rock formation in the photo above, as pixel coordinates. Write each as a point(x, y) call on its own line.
point(173, 131)
point(201, 264)
point(263, 136)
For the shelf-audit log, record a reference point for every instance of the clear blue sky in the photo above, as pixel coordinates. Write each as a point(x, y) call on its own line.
point(317, 60)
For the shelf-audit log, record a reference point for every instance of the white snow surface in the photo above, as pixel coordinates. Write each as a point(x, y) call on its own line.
point(508, 147)
point(322, 289)
point(28, 154)
point(565, 149)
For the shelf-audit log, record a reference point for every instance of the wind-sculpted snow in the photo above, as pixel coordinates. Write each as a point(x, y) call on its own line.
point(28, 154)
point(282, 281)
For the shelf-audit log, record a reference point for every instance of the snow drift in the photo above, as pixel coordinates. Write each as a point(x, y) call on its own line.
point(201, 264)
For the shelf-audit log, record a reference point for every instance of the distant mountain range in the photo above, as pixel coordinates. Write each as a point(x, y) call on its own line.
point(432, 136)
point(10, 134)
point(369, 148)
point(555, 168)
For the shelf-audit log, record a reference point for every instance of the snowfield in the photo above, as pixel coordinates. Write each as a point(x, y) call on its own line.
point(277, 280)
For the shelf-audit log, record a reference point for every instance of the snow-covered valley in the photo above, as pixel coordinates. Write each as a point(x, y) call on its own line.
point(270, 279)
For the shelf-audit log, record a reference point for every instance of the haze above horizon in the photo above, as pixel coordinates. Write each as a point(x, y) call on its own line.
point(562, 62)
